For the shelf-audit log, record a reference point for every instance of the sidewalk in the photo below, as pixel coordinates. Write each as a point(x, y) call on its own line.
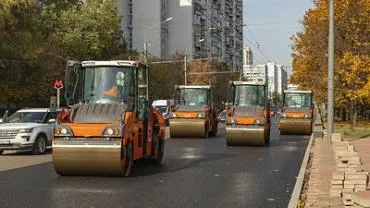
point(319, 182)
point(339, 174)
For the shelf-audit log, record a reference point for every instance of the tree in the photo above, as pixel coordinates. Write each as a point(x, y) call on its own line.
point(351, 52)
point(38, 38)
point(205, 76)
point(88, 30)
point(164, 77)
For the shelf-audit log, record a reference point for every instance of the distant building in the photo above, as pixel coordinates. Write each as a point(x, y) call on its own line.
point(247, 56)
point(256, 73)
point(201, 28)
point(272, 78)
point(277, 78)
point(282, 79)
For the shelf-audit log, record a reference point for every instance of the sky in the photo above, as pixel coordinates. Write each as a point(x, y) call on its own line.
point(270, 24)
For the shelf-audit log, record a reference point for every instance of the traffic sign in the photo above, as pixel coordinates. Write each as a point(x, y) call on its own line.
point(58, 84)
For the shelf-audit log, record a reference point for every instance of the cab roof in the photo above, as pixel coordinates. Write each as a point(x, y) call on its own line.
point(35, 110)
point(297, 91)
point(111, 63)
point(193, 86)
point(248, 83)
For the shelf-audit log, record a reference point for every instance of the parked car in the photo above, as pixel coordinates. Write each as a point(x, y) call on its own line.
point(222, 116)
point(164, 107)
point(28, 130)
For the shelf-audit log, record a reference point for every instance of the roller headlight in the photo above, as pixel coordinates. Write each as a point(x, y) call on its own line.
point(283, 115)
point(109, 131)
point(307, 116)
point(113, 131)
point(62, 131)
point(26, 130)
point(173, 115)
point(259, 121)
point(231, 121)
point(201, 116)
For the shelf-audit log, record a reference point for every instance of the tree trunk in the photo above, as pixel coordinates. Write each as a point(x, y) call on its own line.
point(344, 114)
point(353, 114)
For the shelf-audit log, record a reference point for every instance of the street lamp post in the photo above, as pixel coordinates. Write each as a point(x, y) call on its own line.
point(185, 63)
point(146, 49)
point(330, 118)
point(145, 41)
point(185, 67)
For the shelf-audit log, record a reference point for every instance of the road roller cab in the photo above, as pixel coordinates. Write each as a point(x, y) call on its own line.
point(297, 113)
point(248, 118)
point(193, 114)
point(109, 122)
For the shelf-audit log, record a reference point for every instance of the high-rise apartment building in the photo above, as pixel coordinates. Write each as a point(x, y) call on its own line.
point(255, 73)
point(282, 79)
point(277, 78)
point(201, 28)
point(247, 56)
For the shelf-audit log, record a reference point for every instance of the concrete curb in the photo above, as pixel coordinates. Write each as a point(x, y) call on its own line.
point(293, 202)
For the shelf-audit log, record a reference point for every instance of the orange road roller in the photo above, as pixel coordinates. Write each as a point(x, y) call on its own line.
point(109, 122)
point(193, 114)
point(297, 113)
point(248, 116)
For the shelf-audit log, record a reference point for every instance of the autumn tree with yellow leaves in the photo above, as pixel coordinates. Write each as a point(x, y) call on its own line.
point(352, 49)
point(200, 73)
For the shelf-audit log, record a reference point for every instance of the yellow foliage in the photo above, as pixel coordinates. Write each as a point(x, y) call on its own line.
point(352, 42)
point(205, 77)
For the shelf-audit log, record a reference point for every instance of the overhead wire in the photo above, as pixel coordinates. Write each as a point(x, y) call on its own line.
point(258, 44)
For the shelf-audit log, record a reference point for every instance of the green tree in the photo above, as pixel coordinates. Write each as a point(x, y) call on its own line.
point(37, 39)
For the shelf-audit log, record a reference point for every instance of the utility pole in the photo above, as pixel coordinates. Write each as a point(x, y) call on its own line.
point(330, 118)
point(185, 67)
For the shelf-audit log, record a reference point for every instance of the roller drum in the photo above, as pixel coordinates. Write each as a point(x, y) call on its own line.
point(245, 135)
point(187, 128)
point(71, 157)
point(295, 126)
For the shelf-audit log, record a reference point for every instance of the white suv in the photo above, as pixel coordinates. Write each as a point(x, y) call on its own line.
point(28, 130)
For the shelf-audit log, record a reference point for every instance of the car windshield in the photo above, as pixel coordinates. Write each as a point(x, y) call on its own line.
point(223, 114)
point(298, 100)
point(26, 117)
point(249, 95)
point(162, 109)
point(108, 84)
point(192, 96)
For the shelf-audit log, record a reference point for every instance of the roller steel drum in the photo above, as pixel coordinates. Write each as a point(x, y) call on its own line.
point(187, 128)
point(295, 126)
point(245, 135)
point(72, 157)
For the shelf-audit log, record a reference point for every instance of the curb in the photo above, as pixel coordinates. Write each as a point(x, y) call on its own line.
point(293, 202)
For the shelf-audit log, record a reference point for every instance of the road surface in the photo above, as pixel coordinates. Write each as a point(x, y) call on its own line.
point(194, 173)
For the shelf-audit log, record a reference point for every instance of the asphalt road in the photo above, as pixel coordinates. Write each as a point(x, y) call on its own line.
point(194, 173)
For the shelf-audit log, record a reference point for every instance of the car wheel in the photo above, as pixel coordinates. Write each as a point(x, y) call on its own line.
point(40, 145)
